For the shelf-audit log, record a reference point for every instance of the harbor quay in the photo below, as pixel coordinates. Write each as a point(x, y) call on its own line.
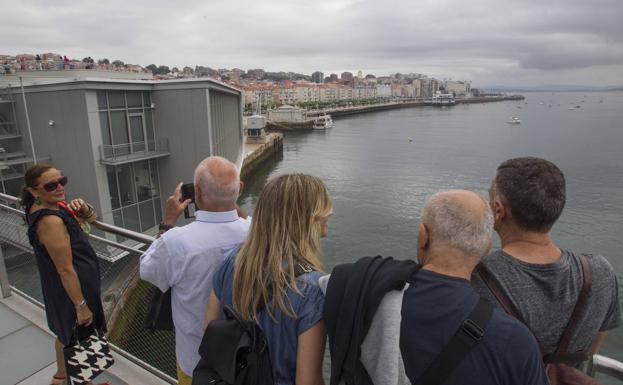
point(306, 121)
point(256, 153)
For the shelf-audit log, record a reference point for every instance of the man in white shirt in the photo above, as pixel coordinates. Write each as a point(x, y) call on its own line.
point(185, 258)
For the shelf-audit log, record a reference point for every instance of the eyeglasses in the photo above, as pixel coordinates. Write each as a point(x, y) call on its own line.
point(51, 186)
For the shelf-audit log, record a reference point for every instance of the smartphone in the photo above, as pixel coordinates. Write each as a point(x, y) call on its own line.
point(188, 192)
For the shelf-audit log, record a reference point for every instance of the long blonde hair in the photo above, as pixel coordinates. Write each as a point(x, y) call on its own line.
point(285, 231)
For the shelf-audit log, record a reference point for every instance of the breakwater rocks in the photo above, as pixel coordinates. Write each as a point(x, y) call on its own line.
point(489, 99)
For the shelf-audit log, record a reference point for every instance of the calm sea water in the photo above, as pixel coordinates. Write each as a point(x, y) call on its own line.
point(379, 180)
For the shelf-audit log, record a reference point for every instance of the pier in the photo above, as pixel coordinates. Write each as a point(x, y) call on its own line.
point(336, 112)
point(256, 153)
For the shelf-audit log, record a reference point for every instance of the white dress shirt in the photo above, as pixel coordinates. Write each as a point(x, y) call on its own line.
point(184, 259)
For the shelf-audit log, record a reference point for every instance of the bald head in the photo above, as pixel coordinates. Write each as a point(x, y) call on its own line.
point(218, 181)
point(458, 219)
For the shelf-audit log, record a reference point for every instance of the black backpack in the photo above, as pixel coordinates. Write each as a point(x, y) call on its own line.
point(233, 352)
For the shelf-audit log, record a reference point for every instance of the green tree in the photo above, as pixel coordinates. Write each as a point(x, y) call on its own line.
point(103, 61)
point(153, 68)
point(118, 63)
point(163, 70)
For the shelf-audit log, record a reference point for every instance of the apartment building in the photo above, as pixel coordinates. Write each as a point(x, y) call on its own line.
point(458, 88)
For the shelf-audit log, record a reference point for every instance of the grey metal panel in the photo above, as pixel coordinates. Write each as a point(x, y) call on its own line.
point(226, 124)
point(195, 83)
point(120, 84)
point(103, 204)
point(68, 141)
point(100, 84)
point(181, 116)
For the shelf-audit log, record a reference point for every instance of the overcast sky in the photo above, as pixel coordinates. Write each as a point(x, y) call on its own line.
point(491, 42)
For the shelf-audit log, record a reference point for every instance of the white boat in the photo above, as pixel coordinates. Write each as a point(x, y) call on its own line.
point(323, 122)
point(440, 99)
point(514, 120)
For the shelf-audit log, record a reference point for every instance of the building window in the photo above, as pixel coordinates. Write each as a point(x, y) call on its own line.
point(135, 195)
point(126, 121)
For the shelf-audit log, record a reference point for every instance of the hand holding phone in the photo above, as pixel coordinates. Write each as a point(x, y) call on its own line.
point(175, 205)
point(188, 192)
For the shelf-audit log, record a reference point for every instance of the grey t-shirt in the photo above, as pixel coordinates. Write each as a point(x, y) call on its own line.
point(545, 295)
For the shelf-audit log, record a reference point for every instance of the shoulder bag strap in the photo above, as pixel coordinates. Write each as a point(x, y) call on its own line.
point(496, 289)
point(580, 306)
point(466, 337)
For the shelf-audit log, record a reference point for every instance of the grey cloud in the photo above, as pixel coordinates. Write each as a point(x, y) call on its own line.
point(487, 40)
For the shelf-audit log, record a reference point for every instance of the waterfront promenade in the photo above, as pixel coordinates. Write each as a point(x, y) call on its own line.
point(408, 103)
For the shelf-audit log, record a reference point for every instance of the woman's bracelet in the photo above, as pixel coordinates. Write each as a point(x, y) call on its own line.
point(81, 304)
point(89, 213)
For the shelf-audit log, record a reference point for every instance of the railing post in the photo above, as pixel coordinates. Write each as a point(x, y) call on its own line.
point(5, 287)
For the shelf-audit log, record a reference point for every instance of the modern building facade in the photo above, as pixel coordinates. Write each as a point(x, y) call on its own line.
point(124, 144)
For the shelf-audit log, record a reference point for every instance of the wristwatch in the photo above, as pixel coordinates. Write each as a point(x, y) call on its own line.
point(162, 227)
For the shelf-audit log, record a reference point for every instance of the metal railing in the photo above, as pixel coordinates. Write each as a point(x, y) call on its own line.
point(133, 150)
point(14, 66)
point(126, 296)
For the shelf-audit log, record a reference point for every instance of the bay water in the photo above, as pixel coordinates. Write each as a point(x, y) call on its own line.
point(379, 179)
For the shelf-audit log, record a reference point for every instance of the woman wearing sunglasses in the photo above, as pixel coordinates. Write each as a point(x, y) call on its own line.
point(68, 265)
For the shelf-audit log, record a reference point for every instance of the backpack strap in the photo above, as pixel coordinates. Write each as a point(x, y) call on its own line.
point(466, 337)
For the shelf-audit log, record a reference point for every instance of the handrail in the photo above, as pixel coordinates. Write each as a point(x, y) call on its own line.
point(605, 365)
point(106, 227)
point(15, 65)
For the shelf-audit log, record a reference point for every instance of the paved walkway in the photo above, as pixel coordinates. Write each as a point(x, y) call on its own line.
point(27, 350)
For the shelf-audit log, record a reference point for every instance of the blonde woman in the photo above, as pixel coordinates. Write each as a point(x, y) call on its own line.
point(290, 217)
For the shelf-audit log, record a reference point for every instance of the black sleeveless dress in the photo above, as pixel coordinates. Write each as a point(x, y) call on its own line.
point(60, 310)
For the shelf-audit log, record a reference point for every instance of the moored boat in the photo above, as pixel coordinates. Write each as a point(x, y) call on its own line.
point(323, 122)
point(440, 99)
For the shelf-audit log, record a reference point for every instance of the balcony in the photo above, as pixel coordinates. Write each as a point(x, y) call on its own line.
point(118, 154)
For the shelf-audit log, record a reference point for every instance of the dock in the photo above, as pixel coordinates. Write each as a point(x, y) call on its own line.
point(337, 112)
point(256, 153)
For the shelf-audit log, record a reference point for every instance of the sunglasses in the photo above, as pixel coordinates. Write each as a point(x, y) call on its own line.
point(51, 186)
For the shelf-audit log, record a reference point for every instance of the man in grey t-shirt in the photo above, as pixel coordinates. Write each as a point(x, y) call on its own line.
point(543, 281)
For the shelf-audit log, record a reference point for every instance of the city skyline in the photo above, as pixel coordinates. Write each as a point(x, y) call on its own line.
point(518, 43)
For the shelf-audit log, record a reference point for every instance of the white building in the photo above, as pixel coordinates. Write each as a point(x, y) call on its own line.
point(384, 90)
point(364, 91)
point(458, 88)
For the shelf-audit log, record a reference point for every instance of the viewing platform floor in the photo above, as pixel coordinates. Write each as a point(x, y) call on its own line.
point(27, 350)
